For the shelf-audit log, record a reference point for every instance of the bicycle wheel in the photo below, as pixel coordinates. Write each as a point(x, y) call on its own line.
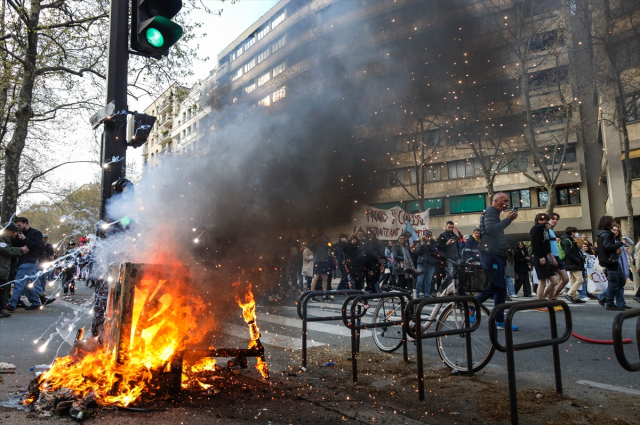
point(388, 338)
point(453, 348)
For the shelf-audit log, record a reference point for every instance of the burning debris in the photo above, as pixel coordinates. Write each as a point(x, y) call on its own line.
point(151, 318)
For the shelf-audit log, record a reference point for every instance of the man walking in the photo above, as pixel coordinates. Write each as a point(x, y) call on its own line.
point(27, 266)
point(494, 263)
point(559, 267)
point(448, 245)
point(6, 252)
point(608, 251)
point(542, 258)
point(41, 284)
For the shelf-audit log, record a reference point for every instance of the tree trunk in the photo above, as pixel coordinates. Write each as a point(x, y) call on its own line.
point(489, 186)
point(551, 204)
point(628, 181)
point(24, 114)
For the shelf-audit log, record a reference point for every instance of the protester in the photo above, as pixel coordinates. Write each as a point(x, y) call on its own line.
point(341, 259)
point(470, 251)
point(387, 276)
point(521, 259)
point(401, 262)
point(6, 253)
point(510, 274)
point(493, 263)
point(574, 263)
point(623, 268)
point(69, 270)
point(427, 263)
point(636, 284)
point(375, 261)
point(307, 267)
point(448, 245)
point(360, 261)
point(558, 267)
point(542, 258)
point(321, 265)
point(27, 265)
point(608, 252)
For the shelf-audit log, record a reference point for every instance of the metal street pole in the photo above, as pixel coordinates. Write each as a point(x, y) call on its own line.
point(114, 140)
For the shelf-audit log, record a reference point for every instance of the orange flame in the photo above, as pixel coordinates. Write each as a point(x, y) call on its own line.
point(248, 306)
point(206, 364)
point(161, 321)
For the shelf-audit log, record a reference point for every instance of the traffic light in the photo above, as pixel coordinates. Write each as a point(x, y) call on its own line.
point(138, 128)
point(152, 30)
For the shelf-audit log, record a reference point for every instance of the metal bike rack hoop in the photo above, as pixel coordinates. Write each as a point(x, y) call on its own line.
point(617, 339)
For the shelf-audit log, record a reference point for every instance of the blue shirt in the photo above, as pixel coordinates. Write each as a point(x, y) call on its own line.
point(554, 244)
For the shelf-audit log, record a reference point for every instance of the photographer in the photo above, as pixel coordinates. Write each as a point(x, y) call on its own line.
point(27, 265)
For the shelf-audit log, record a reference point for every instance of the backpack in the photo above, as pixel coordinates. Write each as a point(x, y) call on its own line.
point(561, 253)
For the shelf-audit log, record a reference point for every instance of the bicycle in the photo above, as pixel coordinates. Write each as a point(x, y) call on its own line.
point(468, 278)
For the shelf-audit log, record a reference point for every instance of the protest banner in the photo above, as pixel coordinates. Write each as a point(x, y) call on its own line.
point(388, 224)
point(596, 280)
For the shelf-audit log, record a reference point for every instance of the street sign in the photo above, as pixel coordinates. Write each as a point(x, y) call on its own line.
point(102, 114)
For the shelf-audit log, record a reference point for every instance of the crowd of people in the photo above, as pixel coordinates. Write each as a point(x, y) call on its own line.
point(550, 265)
point(26, 259)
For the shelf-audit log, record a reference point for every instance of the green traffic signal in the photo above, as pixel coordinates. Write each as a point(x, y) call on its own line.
point(154, 37)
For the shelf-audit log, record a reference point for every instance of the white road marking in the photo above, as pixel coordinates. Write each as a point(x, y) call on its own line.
point(334, 328)
point(271, 338)
point(610, 387)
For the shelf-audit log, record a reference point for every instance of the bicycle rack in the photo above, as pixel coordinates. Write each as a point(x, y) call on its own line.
point(356, 326)
point(510, 347)
point(302, 313)
point(617, 339)
point(422, 303)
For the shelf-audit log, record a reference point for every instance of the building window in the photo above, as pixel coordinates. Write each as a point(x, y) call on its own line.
point(546, 40)
point(435, 206)
point(519, 198)
point(467, 203)
point(569, 157)
point(263, 32)
point(391, 179)
point(564, 196)
point(262, 56)
point(278, 69)
point(249, 43)
point(278, 20)
point(633, 107)
point(278, 44)
point(248, 89)
point(249, 65)
point(264, 78)
point(465, 168)
point(518, 164)
point(237, 75)
point(266, 101)
point(278, 94)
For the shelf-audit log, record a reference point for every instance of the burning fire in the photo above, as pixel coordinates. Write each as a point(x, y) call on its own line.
point(248, 306)
point(160, 322)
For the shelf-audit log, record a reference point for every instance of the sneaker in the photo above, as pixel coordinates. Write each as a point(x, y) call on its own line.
point(614, 308)
point(558, 308)
point(637, 299)
point(514, 296)
point(9, 307)
point(507, 298)
point(601, 301)
point(44, 300)
point(501, 325)
point(3, 314)
point(542, 309)
point(570, 299)
point(315, 299)
point(328, 298)
point(584, 299)
point(626, 307)
point(33, 307)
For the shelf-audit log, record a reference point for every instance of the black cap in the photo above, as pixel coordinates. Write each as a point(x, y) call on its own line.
point(12, 226)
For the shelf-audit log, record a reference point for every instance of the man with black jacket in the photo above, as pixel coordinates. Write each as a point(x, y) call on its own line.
point(494, 263)
point(27, 266)
point(541, 257)
point(574, 263)
point(608, 251)
point(448, 245)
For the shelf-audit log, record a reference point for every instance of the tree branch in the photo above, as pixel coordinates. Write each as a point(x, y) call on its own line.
point(79, 73)
point(71, 24)
point(37, 176)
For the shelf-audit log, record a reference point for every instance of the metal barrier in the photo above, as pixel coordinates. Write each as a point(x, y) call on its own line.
point(356, 326)
point(422, 303)
point(617, 339)
point(510, 347)
point(302, 302)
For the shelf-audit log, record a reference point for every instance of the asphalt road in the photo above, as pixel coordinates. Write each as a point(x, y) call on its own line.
point(588, 370)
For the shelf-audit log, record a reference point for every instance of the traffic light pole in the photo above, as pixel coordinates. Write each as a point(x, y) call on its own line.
point(114, 137)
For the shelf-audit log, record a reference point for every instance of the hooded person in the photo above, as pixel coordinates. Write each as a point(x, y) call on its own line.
point(27, 266)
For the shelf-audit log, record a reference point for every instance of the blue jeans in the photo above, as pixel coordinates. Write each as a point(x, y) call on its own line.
point(344, 280)
point(424, 280)
point(497, 286)
point(615, 289)
point(21, 282)
point(511, 289)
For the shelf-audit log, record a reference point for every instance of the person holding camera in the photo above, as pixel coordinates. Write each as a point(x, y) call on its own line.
point(6, 252)
point(27, 265)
